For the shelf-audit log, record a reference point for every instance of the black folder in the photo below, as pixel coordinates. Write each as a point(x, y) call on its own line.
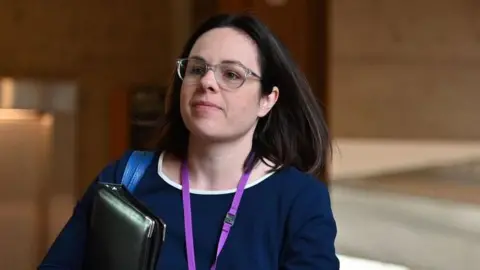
point(123, 233)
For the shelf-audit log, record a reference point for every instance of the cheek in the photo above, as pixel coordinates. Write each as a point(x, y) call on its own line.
point(185, 96)
point(243, 106)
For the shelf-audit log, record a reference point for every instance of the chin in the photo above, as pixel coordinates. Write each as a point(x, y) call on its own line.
point(207, 130)
point(214, 130)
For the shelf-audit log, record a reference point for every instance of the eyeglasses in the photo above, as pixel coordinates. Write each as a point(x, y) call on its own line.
point(229, 75)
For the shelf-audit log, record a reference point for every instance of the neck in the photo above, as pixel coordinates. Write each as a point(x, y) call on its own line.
point(216, 166)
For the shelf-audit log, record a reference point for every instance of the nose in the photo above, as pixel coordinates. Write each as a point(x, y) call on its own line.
point(209, 82)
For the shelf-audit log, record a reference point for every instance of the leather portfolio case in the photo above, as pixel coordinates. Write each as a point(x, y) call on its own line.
point(123, 234)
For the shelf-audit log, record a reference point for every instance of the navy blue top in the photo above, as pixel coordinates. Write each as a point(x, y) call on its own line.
point(284, 222)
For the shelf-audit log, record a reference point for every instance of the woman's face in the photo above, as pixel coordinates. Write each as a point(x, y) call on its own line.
point(214, 104)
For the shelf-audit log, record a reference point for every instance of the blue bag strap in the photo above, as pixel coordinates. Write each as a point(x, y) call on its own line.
point(136, 166)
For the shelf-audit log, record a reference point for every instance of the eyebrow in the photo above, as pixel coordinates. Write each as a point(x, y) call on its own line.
point(224, 61)
point(227, 62)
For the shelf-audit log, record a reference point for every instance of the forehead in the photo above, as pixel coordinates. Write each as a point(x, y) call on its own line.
point(226, 44)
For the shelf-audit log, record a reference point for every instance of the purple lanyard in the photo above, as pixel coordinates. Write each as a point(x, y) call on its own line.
point(187, 215)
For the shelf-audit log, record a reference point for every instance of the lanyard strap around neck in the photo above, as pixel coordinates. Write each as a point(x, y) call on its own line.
point(187, 215)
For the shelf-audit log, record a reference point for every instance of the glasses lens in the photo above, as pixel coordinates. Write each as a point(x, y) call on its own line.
point(191, 69)
point(230, 75)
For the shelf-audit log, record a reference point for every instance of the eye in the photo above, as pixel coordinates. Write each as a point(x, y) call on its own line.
point(232, 72)
point(231, 75)
point(196, 69)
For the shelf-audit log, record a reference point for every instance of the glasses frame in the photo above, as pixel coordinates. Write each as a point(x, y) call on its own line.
point(248, 72)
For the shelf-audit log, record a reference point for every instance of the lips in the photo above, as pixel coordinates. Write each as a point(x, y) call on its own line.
point(202, 103)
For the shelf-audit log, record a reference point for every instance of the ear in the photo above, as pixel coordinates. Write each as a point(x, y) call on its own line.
point(267, 102)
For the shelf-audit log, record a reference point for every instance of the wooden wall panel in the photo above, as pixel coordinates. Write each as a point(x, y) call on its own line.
point(119, 114)
point(301, 25)
point(406, 73)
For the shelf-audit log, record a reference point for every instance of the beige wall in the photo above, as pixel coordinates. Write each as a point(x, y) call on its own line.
point(37, 173)
point(24, 153)
point(406, 68)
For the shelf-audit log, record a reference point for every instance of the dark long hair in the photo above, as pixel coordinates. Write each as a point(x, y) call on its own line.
point(293, 133)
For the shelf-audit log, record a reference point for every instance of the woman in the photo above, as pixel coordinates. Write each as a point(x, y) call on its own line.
point(239, 109)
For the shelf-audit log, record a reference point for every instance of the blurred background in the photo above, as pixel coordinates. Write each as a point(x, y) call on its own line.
point(81, 81)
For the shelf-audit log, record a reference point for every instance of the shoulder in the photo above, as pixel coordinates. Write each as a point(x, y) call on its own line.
point(113, 172)
point(305, 197)
point(302, 187)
